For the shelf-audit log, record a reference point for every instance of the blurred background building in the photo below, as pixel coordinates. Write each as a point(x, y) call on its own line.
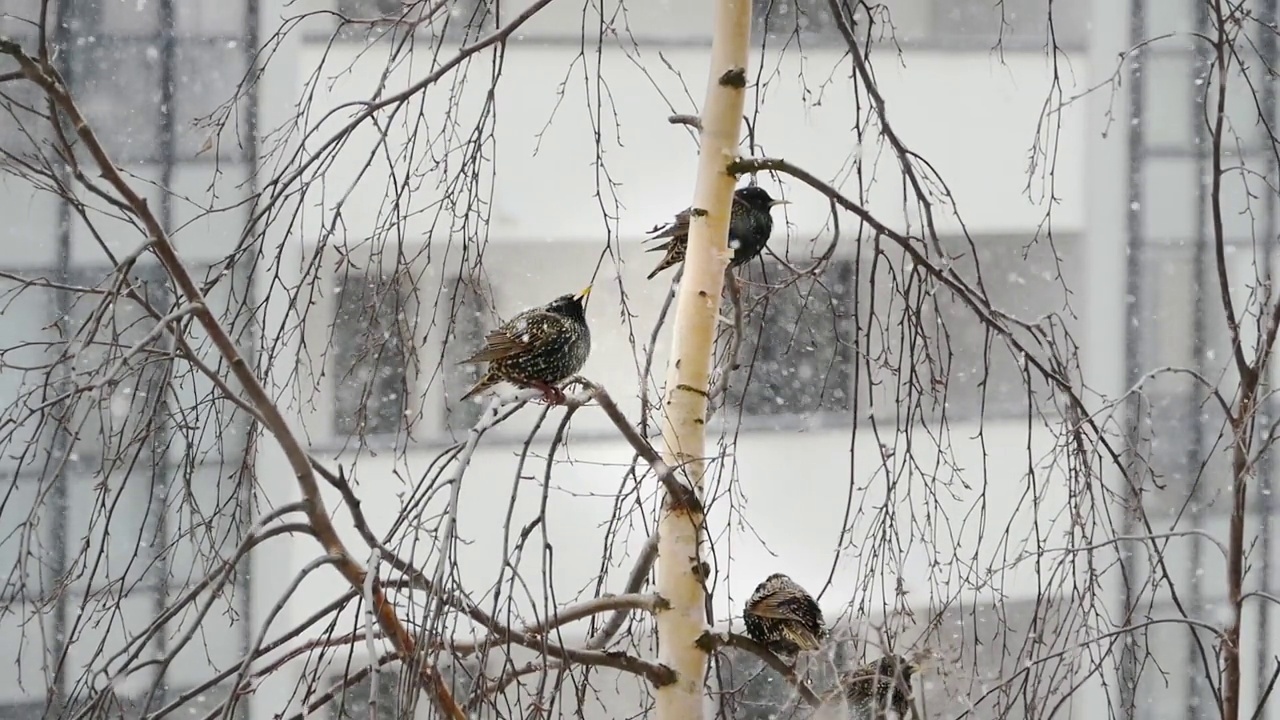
point(965, 83)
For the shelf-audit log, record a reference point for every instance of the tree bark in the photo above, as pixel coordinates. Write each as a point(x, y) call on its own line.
point(681, 573)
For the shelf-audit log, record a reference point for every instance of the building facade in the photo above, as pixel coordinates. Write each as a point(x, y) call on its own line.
point(372, 277)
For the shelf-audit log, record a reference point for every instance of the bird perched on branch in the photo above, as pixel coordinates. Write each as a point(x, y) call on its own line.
point(750, 225)
point(783, 617)
point(539, 348)
point(884, 683)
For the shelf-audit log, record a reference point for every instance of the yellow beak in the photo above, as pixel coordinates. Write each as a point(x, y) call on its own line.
point(776, 203)
point(585, 292)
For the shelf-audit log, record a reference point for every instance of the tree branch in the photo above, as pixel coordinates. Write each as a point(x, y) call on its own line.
point(679, 493)
point(606, 603)
point(711, 641)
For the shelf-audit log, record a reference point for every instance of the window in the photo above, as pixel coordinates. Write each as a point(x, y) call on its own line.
point(372, 350)
point(353, 703)
point(211, 18)
point(782, 17)
point(111, 426)
point(461, 18)
point(1180, 424)
point(108, 69)
point(368, 9)
point(947, 22)
point(19, 20)
point(208, 107)
point(1171, 681)
point(980, 375)
point(393, 702)
point(987, 646)
point(903, 347)
point(1024, 22)
point(753, 691)
point(469, 319)
point(29, 711)
point(111, 17)
point(795, 357)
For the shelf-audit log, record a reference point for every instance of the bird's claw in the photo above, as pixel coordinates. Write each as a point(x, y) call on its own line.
point(552, 395)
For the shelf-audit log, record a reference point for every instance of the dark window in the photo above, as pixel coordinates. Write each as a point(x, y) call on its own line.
point(372, 351)
point(753, 691)
point(1025, 22)
point(114, 417)
point(796, 356)
point(946, 22)
point(392, 702)
point(983, 377)
point(115, 18)
point(463, 18)
point(104, 71)
point(210, 18)
point(781, 18)
point(367, 9)
point(1171, 676)
point(209, 112)
point(471, 318)
point(29, 711)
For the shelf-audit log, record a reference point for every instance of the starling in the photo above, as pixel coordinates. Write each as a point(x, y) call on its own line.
point(783, 617)
point(538, 348)
point(750, 225)
point(870, 688)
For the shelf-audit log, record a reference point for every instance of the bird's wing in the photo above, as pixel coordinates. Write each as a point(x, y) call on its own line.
point(773, 605)
point(676, 228)
point(788, 606)
point(515, 336)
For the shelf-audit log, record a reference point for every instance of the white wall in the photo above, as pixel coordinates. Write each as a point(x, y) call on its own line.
point(972, 117)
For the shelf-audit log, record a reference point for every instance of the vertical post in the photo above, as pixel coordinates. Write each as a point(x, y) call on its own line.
point(681, 572)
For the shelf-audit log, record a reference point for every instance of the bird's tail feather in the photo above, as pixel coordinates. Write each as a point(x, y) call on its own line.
point(663, 231)
point(802, 637)
point(481, 385)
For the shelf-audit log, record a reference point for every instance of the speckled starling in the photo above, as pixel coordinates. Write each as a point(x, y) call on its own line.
point(750, 225)
point(783, 617)
point(883, 683)
point(539, 348)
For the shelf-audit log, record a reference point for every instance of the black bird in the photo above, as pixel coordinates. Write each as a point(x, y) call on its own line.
point(884, 682)
point(783, 617)
point(750, 225)
point(538, 348)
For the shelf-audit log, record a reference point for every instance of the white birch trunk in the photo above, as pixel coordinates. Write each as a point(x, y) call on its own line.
point(689, 370)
